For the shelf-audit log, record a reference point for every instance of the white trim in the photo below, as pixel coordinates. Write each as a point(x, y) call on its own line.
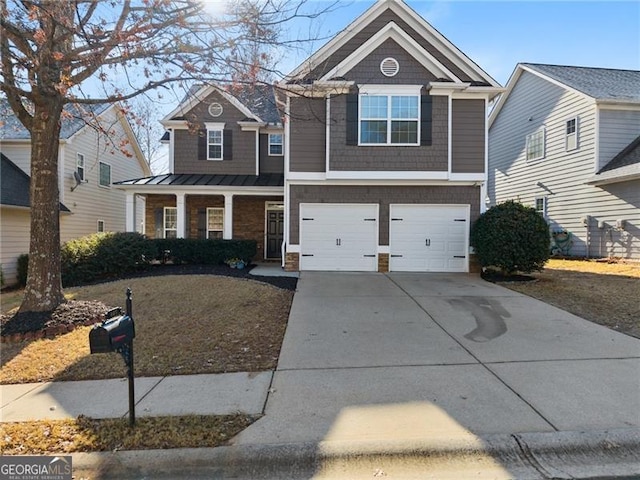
point(386, 183)
point(78, 156)
point(104, 225)
point(227, 232)
point(181, 224)
point(100, 163)
point(293, 248)
point(486, 150)
point(327, 134)
point(542, 129)
point(449, 134)
point(387, 175)
point(417, 23)
point(306, 176)
point(596, 140)
point(257, 146)
point(613, 105)
point(201, 190)
point(269, 144)
point(391, 31)
point(172, 146)
point(383, 249)
point(467, 177)
point(576, 134)
point(544, 205)
point(271, 206)
point(199, 96)
point(130, 212)
point(215, 127)
point(287, 136)
point(389, 93)
point(207, 220)
point(164, 221)
point(377, 89)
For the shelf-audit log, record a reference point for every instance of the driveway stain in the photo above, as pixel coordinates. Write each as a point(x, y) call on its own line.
point(488, 313)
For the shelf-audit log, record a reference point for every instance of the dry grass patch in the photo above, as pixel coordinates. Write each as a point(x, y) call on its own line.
point(604, 293)
point(184, 325)
point(88, 435)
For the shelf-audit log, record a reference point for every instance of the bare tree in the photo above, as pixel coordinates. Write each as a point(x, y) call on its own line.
point(144, 117)
point(55, 51)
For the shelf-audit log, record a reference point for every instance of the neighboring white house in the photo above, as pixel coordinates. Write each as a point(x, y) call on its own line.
point(566, 140)
point(92, 156)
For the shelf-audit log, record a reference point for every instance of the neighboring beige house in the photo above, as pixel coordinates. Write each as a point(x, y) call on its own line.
point(378, 163)
point(90, 160)
point(566, 140)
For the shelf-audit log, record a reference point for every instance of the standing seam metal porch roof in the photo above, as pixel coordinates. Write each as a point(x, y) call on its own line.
point(200, 179)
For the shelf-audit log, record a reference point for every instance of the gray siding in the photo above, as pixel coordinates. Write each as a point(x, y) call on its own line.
point(618, 128)
point(307, 135)
point(382, 195)
point(186, 142)
point(411, 72)
point(370, 30)
point(562, 175)
point(388, 158)
point(268, 163)
point(468, 136)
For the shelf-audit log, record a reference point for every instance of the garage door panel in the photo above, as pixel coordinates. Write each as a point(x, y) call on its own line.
point(341, 237)
point(428, 238)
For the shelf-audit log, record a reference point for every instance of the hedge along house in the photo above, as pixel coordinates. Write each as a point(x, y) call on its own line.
point(227, 171)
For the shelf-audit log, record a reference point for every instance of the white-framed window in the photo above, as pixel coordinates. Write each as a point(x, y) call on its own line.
point(80, 166)
point(571, 134)
point(541, 206)
point(105, 175)
point(275, 144)
point(389, 118)
point(170, 222)
point(535, 145)
point(214, 144)
point(101, 226)
point(215, 222)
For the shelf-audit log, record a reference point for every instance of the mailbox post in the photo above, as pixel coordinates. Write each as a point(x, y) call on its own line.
point(116, 334)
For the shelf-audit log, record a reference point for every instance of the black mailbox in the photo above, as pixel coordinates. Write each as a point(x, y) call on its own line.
point(112, 335)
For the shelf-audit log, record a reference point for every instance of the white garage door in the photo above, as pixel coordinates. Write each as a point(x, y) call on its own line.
point(338, 237)
point(429, 238)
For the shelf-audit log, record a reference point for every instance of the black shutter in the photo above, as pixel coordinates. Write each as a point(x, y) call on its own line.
point(202, 145)
point(158, 215)
point(352, 119)
point(426, 119)
point(227, 144)
point(202, 223)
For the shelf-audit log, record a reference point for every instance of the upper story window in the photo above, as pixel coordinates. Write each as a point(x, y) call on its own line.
point(170, 227)
point(275, 144)
point(535, 145)
point(571, 132)
point(214, 144)
point(215, 222)
point(105, 175)
point(80, 166)
point(389, 119)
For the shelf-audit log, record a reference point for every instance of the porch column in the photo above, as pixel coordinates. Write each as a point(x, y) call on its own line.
point(180, 224)
point(130, 212)
point(227, 233)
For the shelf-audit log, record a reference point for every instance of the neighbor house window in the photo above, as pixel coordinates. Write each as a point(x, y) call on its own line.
point(541, 206)
point(80, 166)
point(100, 226)
point(105, 174)
point(389, 119)
point(571, 131)
point(214, 144)
point(170, 222)
point(215, 222)
point(275, 144)
point(535, 145)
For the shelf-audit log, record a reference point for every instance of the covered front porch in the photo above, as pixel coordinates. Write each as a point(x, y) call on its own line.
point(211, 206)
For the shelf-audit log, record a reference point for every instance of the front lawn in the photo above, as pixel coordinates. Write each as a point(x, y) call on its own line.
point(607, 293)
point(185, 324)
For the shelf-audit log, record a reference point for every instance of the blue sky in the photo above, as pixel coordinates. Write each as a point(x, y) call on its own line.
point(499, 34)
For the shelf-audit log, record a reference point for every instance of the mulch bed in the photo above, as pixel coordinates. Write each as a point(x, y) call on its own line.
point(27, 325)
point(497, 277)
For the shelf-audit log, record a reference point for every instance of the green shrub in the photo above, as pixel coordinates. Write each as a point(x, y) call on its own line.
point(23, 268)
point(104, 255)
point(202, 252)
point(511, 237)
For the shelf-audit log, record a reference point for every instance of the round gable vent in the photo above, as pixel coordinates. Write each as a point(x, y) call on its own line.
point(389, 67)
point(215, 109)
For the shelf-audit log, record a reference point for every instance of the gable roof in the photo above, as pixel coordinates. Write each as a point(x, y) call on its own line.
point(257, 102)
point(14, 185)
point(73, 120)
point(604, 84)
point(420, 29)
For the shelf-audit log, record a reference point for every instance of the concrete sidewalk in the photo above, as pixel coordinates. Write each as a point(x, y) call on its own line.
point(400, 375)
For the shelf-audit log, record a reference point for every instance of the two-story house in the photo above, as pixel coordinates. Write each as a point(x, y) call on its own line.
point(566, 140)
point(385, 148)
point(376, 162)
point(97, 148)
point(226, 158)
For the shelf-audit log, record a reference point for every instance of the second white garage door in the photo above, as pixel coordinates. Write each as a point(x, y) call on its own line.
point(338, 237)
point(429, 238)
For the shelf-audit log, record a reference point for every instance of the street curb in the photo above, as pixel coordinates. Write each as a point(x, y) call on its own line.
point(558, 455)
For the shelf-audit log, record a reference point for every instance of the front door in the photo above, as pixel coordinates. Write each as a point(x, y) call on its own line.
point(275, 231)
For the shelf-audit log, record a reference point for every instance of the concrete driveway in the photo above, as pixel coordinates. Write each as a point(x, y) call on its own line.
point(370, 357)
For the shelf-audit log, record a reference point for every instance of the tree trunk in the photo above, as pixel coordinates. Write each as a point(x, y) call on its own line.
point(43, 291)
